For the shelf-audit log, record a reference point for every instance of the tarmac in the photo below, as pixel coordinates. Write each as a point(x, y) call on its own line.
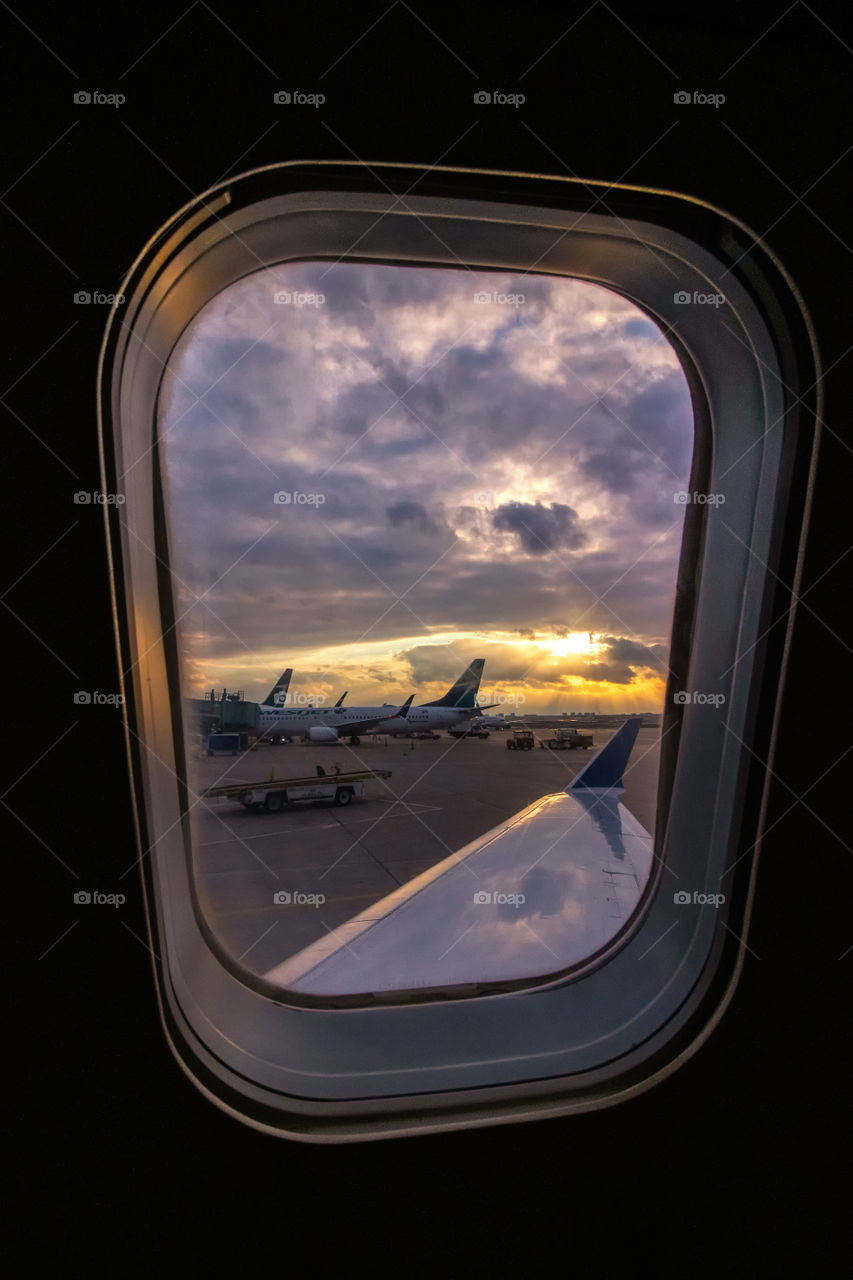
point(333, 861)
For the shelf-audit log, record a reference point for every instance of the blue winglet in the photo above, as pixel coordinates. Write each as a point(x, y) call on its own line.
point(606, 770)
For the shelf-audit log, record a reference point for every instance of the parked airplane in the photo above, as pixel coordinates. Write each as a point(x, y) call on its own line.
point(490, 722)
point(328, 724)
point(499, 909)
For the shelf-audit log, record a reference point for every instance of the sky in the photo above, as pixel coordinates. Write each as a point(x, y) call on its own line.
point(376, 473)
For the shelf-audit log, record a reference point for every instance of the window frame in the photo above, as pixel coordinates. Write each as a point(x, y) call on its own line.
point(317, 1071)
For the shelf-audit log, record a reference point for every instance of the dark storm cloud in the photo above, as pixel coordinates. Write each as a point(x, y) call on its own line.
point(413, 513)
point(540, 528)
point(625, 650)
point(608, 672)
point(520, 418)
point(649, 441)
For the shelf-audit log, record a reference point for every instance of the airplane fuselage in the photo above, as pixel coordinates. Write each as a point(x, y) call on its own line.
point(292, 722)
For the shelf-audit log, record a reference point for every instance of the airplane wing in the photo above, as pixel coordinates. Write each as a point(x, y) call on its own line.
point(355, 727)
point(535, 895)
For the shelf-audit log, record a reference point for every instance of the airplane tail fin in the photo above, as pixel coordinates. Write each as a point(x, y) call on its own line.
point(463, 693)
point(606, 769)
point(278, 693)
point(404, 710)
point(340, 701)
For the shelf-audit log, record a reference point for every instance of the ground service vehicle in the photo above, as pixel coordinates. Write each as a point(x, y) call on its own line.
point(521, 740)
point(230, 743)
point(272, 797)
point(568, 739)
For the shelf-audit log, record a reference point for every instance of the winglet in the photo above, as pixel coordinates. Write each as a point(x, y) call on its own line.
point(340, 701)
point(605, 771)
point(404, 710)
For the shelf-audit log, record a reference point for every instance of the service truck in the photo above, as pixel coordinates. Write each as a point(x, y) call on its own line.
point(272, 796)
point(568, 739)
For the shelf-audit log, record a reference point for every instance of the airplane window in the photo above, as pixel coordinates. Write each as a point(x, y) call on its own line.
point(429, 478)
point(424, 526)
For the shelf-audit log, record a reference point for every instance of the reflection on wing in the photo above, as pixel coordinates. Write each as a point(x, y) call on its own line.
point(537, 894)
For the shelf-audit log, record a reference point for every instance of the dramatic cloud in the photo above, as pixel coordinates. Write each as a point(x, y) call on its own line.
point(539, 528)
point(396, 468)
point(412, 513)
